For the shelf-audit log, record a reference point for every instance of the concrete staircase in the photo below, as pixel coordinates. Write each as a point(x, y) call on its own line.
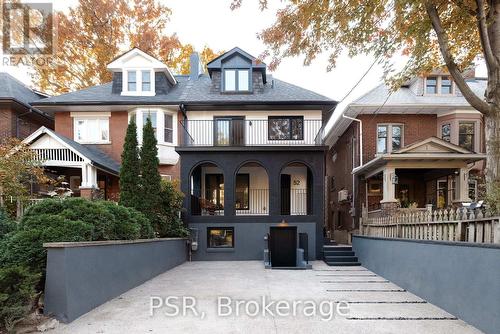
point(335, 255)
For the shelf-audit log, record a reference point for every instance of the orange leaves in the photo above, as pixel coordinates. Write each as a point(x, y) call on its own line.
point(94, 32)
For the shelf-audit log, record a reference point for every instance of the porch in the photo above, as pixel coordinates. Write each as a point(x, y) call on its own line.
point(88, 172)
point(431, 174)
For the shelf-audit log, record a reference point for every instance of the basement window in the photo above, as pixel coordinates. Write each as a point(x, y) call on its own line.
point(220, 237)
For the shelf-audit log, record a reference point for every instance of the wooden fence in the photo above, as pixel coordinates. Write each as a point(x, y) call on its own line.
point(445, 225)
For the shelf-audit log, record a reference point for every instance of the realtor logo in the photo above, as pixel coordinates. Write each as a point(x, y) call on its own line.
point(27, 29)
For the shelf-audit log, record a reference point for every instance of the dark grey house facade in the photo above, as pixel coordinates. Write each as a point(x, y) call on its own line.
point(252, 157)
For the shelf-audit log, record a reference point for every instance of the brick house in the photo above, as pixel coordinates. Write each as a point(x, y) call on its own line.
point(18, 118)
point(421, 145)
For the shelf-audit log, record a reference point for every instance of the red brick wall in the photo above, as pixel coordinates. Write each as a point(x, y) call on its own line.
point(416, 128)
point(27, 123)
point(118, 123)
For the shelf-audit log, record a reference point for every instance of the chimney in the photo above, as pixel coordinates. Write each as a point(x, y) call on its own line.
point(196, 67)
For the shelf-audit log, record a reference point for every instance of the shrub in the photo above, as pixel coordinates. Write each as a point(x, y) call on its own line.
point(169, 224)
point(7, 225)
point(16, 294)
point(23, 258)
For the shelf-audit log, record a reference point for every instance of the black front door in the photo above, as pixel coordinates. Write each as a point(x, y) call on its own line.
point(283, 246)
point(286, 182)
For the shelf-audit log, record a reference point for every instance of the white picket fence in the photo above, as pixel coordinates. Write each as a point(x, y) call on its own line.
point(446, 225)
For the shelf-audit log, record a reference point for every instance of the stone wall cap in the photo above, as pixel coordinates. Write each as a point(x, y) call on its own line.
point(103, 243)
point(433, 242)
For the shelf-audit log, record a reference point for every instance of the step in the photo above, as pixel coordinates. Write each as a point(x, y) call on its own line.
point(341, 258)
point(346, 264)
point(338, 253)
point(337, 248)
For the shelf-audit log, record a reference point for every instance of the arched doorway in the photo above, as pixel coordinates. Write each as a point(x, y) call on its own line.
point(207, 190)
point(251, 190)
point(296, 181)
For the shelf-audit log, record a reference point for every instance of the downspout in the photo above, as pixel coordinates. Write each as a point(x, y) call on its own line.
point(353, 208)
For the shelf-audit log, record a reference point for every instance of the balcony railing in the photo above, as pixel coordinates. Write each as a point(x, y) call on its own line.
point(253, 202)
point(236, 132)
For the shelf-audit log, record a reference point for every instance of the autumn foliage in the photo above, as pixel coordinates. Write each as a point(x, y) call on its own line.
point(91, 34)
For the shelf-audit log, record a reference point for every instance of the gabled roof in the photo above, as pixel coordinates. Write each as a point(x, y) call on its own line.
point(217, 62)
point(118, 63)
point(13, 89)
point(95, 156)
point(429, 151)
point(432, 145)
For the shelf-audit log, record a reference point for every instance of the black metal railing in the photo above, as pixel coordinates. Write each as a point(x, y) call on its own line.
point(208, 205)
point(252, 202)
point(294, 202)
point(244, 132)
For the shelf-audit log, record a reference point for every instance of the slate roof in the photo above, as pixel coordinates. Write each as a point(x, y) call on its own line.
point(99, 158)
point(194, 92)
point(13, 89)
point(405, 95)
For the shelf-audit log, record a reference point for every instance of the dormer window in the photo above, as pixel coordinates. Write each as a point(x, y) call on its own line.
point(132, 81)
point(438, 85)
point(146, 81)
point(138, 82)
point(236, 80)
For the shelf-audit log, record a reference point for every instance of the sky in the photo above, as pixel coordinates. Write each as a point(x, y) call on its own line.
point(213, 23)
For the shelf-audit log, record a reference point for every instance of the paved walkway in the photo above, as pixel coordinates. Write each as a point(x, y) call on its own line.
point(375, 305)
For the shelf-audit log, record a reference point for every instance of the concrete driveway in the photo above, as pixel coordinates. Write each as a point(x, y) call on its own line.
point(374, 305)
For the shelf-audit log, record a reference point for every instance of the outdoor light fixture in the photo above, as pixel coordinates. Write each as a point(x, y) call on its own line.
point(283, 223)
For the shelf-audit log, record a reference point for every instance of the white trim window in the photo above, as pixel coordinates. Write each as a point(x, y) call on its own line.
point(138, 82)
point(389, 137)
point(91, 130)
point(163, 122)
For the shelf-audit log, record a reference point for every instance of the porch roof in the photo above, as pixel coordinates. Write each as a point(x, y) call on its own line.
point(428, 153)
point(92, 155)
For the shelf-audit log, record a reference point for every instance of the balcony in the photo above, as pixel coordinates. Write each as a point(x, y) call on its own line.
point(236, 132)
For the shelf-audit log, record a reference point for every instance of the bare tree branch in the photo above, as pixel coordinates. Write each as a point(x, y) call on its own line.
point(467, 92)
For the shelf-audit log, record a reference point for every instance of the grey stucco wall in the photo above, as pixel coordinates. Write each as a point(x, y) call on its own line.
point(461, 278)
point(249, 243)
point(82, 276)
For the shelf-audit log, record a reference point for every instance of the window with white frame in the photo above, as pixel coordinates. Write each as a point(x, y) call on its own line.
point(473, 190)
point(91, 130)
point(162, 122)
point(138, 82)
point(389, 137)
point(168, 135)
point(236, 80)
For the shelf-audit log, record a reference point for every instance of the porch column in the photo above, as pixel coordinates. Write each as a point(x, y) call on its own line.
point(462, 191)
point(389, 202)
point(89, 180)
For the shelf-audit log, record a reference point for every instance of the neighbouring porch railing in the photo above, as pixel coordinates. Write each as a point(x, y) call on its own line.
point(445, 225)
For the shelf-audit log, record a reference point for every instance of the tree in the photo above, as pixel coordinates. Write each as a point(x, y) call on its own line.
point(19, 168)
point(429, 33)
point(95, 32)
point(129, 171)
point(150, 177)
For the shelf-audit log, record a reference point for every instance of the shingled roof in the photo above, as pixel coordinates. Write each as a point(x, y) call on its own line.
point(15, 90)
point(193, 92)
